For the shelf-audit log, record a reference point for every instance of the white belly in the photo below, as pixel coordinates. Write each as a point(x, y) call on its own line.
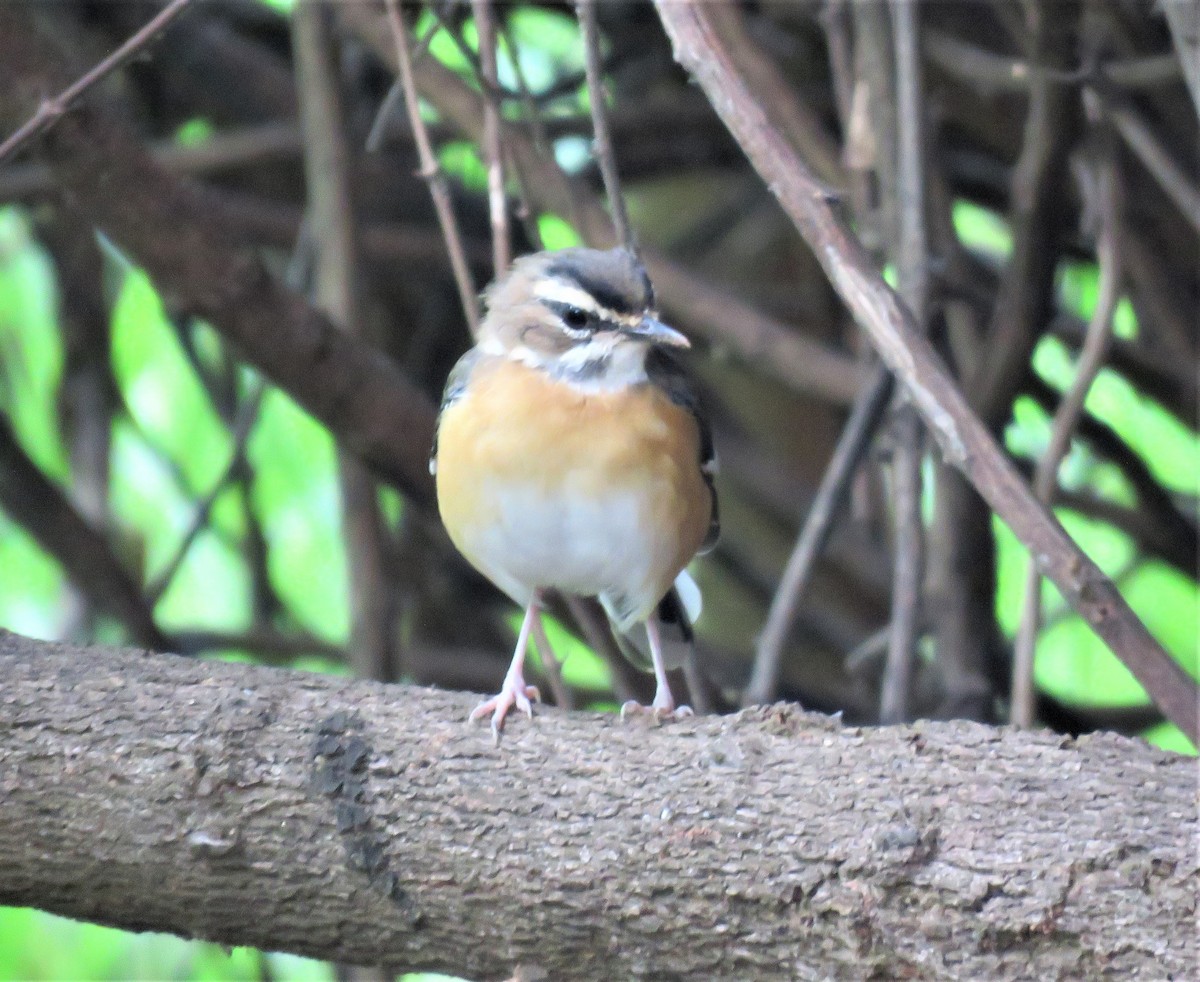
point(571, 542)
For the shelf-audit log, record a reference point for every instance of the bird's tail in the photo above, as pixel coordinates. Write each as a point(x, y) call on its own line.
point(676, 613)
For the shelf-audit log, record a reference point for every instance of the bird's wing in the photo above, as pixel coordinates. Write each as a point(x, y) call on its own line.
point(665, 371)
point(456, 385)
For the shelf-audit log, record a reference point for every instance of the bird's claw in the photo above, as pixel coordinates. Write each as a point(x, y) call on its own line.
point(514, 692)
point(658, 710)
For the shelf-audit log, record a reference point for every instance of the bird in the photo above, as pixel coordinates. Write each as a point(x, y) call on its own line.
point(572, 454)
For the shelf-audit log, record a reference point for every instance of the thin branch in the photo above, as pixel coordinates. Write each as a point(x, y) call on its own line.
point(1147, 147)
point(602, 142)
point(246, 417)
point(831, 495)
point(997, 72)
point(908, 565)
point(962, 567)
point(964, 441)
point(1091, 359)
point(541, 140)
point(432, 172)
point(52, 110)
point(395, 94)
point(798, 121)
point(337, 270)
point(912, 264)
point(1183, 19)
point(493, 150)
point(787, 353)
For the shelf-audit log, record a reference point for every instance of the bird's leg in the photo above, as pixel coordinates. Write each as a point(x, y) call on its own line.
point(514, 691)
point(664, 703)
point(551, 666)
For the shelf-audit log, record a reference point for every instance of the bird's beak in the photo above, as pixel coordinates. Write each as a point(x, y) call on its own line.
point(656, 332)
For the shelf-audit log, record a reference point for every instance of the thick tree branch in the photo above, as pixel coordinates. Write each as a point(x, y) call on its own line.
point(963, 439)
point(367, 824)
point(36, 503)
point(108, 179)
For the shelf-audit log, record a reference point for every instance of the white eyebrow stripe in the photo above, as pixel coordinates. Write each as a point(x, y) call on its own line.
point(558, 291)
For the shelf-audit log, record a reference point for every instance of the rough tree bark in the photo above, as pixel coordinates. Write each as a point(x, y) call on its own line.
point(366, 823)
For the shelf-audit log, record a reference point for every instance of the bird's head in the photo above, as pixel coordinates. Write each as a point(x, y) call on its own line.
point(585, 315)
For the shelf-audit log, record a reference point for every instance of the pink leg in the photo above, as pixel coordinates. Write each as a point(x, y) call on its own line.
point(552, 667)
point(514, 691)
point(664, 703)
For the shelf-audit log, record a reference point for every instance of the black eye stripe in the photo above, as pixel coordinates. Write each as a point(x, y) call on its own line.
point(570, 313)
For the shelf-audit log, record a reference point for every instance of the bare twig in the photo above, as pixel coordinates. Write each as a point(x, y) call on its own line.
point(541, 140)
point(791, 355)
point(246, 417)
point(328, 179)
point(912, 263)
point(50, 111)
point(1172, 178)
point(1095, 349)
point(963, 439)
point(908, 566)
point(432, 172)
point(602, 142)
point(860, 427)
point(1183, 18)
point(1107, 443)
point(797, 120)
point(493, 149)
point(395, 94)
point(990, 70)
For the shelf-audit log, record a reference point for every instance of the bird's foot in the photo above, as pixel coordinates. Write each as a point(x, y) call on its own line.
point(514, 692)
point(659, 710)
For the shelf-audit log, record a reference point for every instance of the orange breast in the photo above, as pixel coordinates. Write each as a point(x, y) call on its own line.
point(517, 425)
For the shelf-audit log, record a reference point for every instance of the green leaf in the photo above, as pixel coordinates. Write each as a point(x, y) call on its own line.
point(161, 388)
point(982, 230)
point(297, 499)
point(1170, 449)
point(194, 131)
point(556, 232)
point(1071, 662)
point(31, 586)
point(1169, 738)
point(548, 45)
point(31, 353)
point(461, 159)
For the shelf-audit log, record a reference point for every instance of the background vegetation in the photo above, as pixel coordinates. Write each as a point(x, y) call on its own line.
point(222, 499)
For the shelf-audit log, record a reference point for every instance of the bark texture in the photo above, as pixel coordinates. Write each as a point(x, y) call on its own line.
point(368, 824)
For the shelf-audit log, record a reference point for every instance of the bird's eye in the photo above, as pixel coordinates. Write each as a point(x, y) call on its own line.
point(575, 318)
